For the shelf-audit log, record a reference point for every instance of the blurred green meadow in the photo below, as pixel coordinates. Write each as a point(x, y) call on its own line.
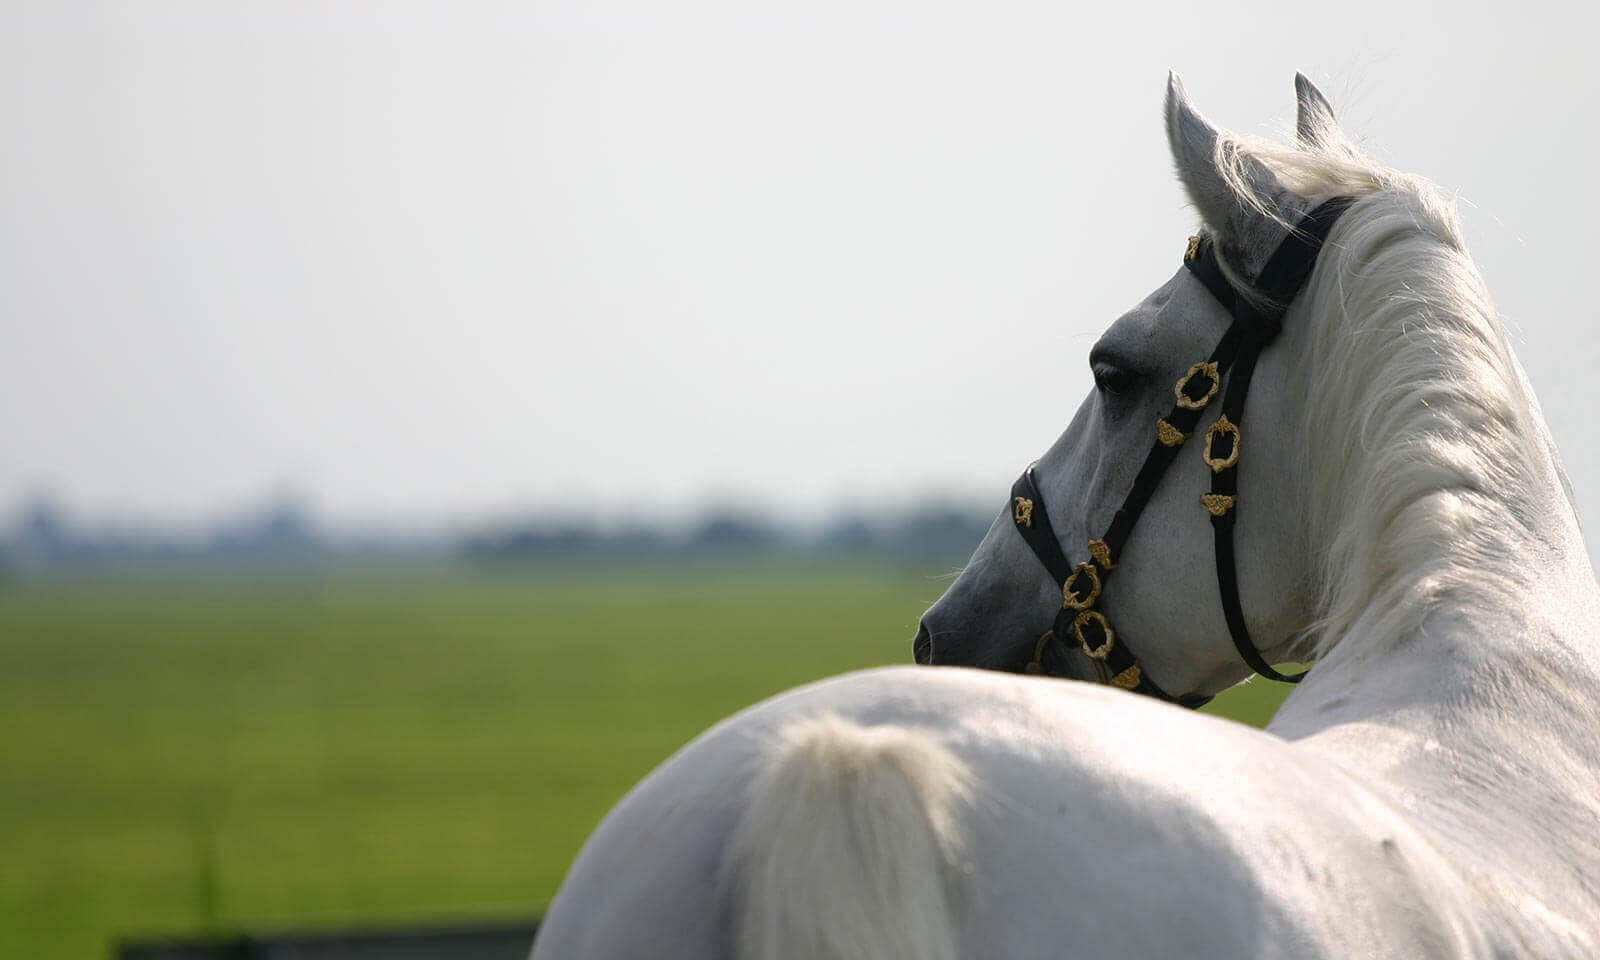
point(209, 755)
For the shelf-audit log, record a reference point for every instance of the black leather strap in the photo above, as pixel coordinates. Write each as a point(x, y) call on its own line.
point(1226, 484)
point(1205, 268)
point(1034, 525)
point(1285, 272)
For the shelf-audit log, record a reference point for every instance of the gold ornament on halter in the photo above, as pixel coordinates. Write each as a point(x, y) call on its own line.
point(1189, 253)
point(1223, 425)
point(1035, 666)
point(1102, 651)
point(1129, 678)
point(1207, 369)
point(1169, 435)
point(1081, 601)
point(1217, 504)
point(1023, 512)
point(1101, 551)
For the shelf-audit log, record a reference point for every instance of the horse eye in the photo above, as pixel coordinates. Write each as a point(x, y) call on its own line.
point(1113, 380)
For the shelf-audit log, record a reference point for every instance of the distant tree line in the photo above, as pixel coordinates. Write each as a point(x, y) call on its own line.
point(283, 533)
point(933, 533)
point(43, 536)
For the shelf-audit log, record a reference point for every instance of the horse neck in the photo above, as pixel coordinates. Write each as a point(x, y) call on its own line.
point(1448, 544)
point(1457, 661)
point(1482, 722)
point(1469, 679)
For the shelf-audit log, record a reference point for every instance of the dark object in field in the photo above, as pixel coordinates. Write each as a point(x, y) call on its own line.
point(490, 942)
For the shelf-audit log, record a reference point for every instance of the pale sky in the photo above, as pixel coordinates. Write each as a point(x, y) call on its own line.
point(449, 260)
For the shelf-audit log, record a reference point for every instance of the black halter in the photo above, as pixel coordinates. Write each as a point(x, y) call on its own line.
point(1257, 318)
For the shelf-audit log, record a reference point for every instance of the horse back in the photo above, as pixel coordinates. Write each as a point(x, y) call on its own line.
point(1049, 819)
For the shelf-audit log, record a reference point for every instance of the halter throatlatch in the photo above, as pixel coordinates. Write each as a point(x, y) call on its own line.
point(1257, 319)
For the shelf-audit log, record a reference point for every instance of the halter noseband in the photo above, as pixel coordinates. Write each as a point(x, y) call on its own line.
point(1257, 319)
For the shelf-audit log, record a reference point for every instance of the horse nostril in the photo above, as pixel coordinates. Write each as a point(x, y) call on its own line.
point(922, 647)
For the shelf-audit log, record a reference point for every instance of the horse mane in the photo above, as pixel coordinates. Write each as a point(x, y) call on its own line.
point(1423, 443)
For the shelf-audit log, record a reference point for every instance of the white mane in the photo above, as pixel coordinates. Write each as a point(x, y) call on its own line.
point(1420, 436)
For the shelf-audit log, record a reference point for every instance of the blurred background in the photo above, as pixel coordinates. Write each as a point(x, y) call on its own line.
point(420, 419)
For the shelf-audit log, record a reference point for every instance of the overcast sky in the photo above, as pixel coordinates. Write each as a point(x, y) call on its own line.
point(449, 260)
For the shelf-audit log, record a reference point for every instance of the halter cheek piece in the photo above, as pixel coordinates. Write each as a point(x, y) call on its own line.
point(1257, 319)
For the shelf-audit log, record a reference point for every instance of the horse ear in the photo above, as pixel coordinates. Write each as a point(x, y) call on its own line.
point(1194, 150)
point(1197, 150)
point(1314, 124)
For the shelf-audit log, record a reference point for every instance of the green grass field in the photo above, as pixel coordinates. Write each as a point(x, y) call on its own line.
point(209, 756)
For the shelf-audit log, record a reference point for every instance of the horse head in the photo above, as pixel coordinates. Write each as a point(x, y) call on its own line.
point(1004, 611)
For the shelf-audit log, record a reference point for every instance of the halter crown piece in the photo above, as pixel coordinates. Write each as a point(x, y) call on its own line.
point(1257, 319)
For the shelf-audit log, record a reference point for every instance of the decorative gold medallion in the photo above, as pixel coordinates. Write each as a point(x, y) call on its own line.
point(1189, 253)
point(1217, 504)
point(1208, 369)
point(1070, 595)
point(1101, 551)
point(1129, 678)
point(1102, 651)
point(1222, 426)
point(1169, 435)
point(1023, 512)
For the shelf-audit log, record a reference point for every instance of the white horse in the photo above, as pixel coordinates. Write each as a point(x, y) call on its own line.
point(1433, 787)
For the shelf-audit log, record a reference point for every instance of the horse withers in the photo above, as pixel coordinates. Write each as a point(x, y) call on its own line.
point(1398, 515)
